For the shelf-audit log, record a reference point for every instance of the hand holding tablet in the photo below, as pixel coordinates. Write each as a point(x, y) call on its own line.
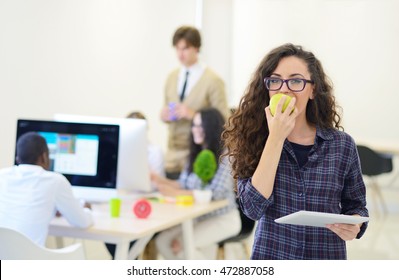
point(319, 219)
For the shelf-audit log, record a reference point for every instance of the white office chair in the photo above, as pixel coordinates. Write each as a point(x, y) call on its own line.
point(16, 246)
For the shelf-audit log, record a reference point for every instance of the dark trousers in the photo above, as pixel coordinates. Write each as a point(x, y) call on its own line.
point(112, 248)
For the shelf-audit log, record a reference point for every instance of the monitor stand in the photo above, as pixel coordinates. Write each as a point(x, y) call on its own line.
point(93, 194)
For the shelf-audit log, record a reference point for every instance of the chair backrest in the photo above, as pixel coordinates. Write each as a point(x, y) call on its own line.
point(16, 246)
point(374, 163)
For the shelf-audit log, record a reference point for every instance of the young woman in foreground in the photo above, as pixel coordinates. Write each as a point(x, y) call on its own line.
point(295, 160)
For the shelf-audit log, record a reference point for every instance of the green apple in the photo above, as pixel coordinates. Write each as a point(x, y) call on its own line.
point(275, 99)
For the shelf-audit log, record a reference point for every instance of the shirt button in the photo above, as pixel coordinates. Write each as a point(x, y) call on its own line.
point(300, 194)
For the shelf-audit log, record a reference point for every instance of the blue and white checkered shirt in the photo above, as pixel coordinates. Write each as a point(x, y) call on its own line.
point(330, 181)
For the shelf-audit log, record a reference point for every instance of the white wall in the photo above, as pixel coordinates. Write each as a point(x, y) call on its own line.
point(107, 58)
point(356, 40)
point(217, 36)
point(85, 57)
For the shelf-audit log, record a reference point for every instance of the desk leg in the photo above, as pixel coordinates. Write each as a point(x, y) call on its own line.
point(122, 250)
point(392, 181)
point(139, 246)
point(59, 242)
point(188, 239)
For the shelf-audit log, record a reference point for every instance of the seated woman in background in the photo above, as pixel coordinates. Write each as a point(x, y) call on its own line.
point(207, 126)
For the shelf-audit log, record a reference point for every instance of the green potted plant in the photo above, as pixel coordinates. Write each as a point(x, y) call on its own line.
point(204, 166)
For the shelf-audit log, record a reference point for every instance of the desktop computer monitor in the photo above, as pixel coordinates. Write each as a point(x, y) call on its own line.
point(86, 154)
point(133, 174)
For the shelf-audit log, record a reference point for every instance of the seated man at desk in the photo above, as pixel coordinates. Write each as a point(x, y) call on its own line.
point(30, 195)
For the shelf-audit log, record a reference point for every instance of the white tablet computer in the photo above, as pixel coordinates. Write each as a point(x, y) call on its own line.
point(319, 219)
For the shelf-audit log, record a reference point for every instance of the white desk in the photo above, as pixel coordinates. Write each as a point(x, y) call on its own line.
point(121, 231)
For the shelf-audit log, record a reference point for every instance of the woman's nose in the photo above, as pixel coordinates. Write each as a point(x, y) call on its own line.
point(284, 88)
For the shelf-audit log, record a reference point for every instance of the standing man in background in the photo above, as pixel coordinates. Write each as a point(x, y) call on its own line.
point(188, 89)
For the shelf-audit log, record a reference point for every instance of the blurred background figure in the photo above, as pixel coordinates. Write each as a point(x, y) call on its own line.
point(206, 129)
point(30, 195)
point(188, 89)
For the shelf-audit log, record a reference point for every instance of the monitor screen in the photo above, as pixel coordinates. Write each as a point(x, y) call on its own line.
point(87, 154)
point(133, 173)
point(72, 153)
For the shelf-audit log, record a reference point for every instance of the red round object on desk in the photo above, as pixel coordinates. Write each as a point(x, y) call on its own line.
point(142, 209)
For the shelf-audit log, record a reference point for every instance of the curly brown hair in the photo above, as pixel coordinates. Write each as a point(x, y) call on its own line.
point(246, 131)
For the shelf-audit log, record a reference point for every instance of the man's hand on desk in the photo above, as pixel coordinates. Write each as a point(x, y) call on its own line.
point(86, 205)
point(83, 203)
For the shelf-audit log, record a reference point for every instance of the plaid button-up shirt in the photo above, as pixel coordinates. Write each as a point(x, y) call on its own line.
point(331, 181)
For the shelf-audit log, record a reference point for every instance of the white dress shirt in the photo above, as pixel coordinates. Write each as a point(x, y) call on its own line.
point(156, 162)
point(156, 159)
point(29, 197)
point(195, 72)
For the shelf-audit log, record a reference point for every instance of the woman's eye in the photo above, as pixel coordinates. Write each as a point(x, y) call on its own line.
point(295, 81)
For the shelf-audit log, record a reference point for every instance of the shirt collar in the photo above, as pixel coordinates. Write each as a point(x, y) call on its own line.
point(325, 134)
point(29, 167)
point(322, 134)
point(195, 67)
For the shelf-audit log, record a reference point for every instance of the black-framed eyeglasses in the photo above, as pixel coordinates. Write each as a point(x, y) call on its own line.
point(294, 84)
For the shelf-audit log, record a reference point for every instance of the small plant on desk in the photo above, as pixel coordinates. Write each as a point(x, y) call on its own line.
point(205, 167)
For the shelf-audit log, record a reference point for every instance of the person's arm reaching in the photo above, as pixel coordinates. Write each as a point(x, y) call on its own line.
point(69, 206)
point(168, 187)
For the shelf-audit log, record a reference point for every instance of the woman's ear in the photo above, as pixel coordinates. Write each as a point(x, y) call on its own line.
point(312, 94)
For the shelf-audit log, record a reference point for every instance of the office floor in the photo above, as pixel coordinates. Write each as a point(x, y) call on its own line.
point(380, 242)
